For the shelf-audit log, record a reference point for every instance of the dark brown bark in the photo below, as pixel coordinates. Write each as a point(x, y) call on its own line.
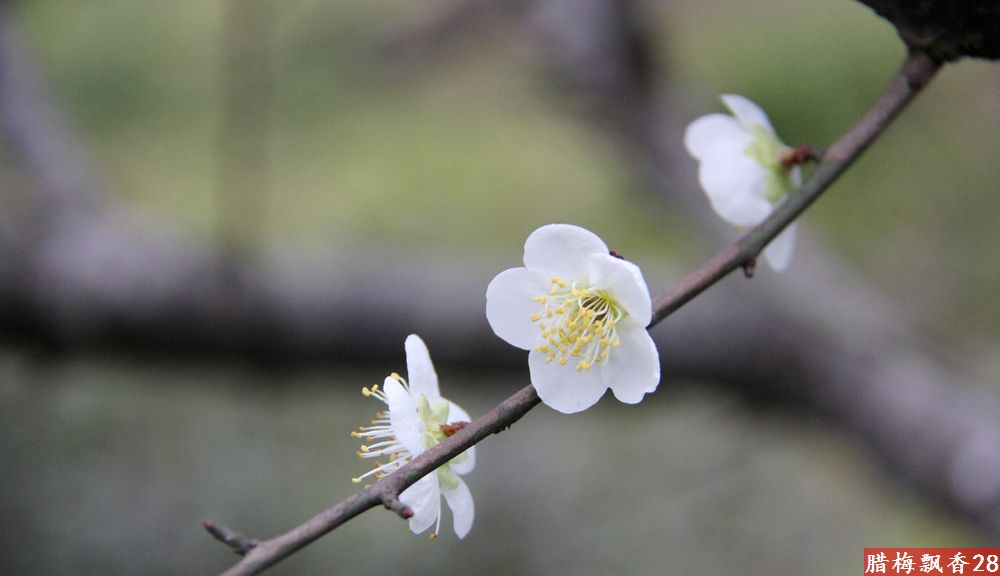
point(945, 29)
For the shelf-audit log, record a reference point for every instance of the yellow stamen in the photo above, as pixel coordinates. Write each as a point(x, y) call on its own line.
point(583, 324)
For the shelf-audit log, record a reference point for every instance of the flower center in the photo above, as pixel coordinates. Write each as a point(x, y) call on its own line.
point(768, 151)
point(436, 429)
point(577, 322)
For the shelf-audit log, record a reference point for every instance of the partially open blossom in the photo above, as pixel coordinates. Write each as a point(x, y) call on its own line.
point(741, 169)
point(582, 311)
point(417, 418)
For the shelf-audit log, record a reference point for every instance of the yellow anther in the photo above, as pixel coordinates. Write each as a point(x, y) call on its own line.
point(562, 361)
point(535, 317)
point(576, 293)
point(395, 376)
point(355, 434)
point(555, 280)
point(562, 283)
point(616, 343)
point(540, 299)
point(364, 449)
point(366, 392)
point(561, 310)
point(548, 313)
point(356, 480)
point(549, 359)
point(553, 290)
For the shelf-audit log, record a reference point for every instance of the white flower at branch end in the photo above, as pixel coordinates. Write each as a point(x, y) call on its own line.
point(741, 169)
point(418, 418)
point(582, 311)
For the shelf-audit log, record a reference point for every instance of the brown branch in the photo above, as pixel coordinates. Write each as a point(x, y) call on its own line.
point(916, 72)
point(944, 29)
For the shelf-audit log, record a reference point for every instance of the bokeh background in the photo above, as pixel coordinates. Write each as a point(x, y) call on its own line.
point(431, 138)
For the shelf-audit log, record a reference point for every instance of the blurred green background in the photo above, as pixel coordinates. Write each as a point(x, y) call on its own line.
point(111, 462)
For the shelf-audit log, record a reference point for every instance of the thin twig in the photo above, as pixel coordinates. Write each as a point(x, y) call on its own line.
point(916, 72)
point(239, 543)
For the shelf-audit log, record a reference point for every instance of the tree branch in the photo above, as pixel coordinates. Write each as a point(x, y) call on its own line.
point(916, 72)
point(944, 29)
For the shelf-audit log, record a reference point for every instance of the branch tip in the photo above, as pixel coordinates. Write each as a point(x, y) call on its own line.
point(237, 542)
point(750, 266)
point(392, 502)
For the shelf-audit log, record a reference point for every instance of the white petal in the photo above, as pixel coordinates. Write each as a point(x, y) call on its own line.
point(456, 414)
point(403, 417)
point(509, 305)
point(734, 184)
point(747, 113)
point(424, 498)
point(462, 508)
point(707, 131)
point(779, 252)
point(420, 371)
point(562, 249)
point(562, 387)
point(624, 282)
point(633, 369)
point(796, 175)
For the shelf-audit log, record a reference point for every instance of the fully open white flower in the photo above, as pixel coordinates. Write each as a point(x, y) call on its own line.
point(741, 169)
point(418, 418)
point(582, 312)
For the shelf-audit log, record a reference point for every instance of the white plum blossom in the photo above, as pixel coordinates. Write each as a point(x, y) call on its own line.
point(418, 418)
point(582, 311)
point(741, 169)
